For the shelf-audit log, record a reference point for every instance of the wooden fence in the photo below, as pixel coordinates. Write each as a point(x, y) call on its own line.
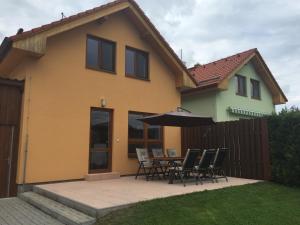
point(247, 141)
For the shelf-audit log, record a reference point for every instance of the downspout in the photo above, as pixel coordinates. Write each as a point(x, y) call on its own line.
point(5, 47)
point(27, 136)
point(25, 162)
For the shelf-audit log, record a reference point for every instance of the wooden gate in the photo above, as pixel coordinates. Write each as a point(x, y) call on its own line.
point(10, 107)
point(247, 140)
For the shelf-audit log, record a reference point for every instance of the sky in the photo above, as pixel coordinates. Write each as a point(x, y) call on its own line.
point(205, 30)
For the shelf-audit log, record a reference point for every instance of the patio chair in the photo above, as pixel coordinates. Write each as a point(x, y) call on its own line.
point(171, 152)
point(157, 153)
point(217, 167)
point(145, 163)
point(205, 165)
point(187, 167)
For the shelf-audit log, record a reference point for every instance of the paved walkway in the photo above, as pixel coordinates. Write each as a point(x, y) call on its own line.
point(14, 211)
point(126, 190)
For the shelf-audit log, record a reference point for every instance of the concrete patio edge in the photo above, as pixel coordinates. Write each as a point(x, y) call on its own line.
point(100, 198)
point(67, 201)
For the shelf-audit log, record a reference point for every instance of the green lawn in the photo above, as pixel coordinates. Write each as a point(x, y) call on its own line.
point(261, 204)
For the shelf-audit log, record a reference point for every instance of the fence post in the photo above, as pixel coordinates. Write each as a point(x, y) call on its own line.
point(265, 149)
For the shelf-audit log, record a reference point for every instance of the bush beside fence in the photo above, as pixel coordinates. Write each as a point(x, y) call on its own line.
point(284, 136)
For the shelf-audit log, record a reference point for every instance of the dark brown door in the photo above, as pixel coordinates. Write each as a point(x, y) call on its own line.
point(10, 105)
point(7, 140)
point(100, 159)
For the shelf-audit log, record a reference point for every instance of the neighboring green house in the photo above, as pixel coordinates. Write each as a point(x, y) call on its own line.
point(239, 86)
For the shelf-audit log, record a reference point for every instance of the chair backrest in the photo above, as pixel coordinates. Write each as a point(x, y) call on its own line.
point(142, 154)
point(190, 158)
point(220, 157)
point(207, 158)
point(171, 152)
point(157, 152)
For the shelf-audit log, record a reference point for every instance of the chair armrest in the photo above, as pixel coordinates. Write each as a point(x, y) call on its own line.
point(141, 162)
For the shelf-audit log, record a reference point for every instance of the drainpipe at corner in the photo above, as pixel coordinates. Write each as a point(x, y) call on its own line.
point(25, 163)
point(26, 148)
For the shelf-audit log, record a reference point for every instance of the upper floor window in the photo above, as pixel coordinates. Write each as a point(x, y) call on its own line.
point(100, 54)
point(240, 85)
point(136, 63)
point(255, 89)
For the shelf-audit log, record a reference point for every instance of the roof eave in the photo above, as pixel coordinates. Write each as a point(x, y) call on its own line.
point(283, 99)
point(279, 100)
point(200, 89)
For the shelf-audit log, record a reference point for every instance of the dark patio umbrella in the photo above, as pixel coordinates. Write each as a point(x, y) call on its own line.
point(178, 118)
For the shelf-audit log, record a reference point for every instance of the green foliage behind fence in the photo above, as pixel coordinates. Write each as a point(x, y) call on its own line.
point(284, 134)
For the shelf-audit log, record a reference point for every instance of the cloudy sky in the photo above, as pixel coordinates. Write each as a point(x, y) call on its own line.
point(204, 29)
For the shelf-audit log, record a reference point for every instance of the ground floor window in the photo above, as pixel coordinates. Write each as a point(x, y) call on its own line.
point(142, 135)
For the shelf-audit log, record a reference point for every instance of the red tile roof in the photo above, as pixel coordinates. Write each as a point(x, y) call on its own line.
point(64, 20)
point(214, 72)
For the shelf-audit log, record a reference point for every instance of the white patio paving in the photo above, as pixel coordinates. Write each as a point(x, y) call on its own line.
point(117, 193)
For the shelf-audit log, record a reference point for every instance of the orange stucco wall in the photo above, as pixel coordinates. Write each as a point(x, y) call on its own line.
point(60, 91)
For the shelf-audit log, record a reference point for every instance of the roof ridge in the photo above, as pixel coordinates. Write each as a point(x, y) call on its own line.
point(218, 60)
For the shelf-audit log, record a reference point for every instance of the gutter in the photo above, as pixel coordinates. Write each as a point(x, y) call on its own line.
point(5, 47)
point(199, 89)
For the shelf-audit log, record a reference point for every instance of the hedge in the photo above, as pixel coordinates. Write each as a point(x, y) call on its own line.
point(284, 134)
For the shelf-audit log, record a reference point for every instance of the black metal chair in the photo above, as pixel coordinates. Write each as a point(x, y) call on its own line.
point(205, 165)
point(217, 167)
point(145, 164)
point(187, 167)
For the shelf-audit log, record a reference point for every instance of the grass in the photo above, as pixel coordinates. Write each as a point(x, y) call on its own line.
point(254, 204)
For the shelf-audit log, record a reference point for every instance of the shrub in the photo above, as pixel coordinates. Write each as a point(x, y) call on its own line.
point(284, 134)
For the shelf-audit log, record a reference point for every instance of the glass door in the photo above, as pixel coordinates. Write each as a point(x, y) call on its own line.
point(100, 140)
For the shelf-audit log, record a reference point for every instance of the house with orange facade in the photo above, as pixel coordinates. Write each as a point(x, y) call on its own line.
point(74, 90)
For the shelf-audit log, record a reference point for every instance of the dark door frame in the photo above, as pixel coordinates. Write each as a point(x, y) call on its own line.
point(10, 158)
point(14, 124)
point(109, 149)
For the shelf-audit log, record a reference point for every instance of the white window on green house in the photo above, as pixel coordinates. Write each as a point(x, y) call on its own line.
point(240, 85)
point(255, 89)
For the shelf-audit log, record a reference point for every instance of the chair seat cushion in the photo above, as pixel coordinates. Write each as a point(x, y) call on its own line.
point(197, 167)
point(148, 164)
point(179, 168)
point(163, 163)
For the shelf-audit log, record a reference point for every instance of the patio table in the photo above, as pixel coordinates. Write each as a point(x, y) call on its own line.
point(172, 163)
point(171, 160)
point(168, 159)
